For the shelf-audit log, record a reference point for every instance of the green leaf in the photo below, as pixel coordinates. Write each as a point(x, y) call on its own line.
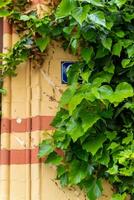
point(88, 119)
point(65, 8)
point(4, 3)
point(93, 144)
point(98, 18)
point(4, 13)
point(42, 43)
point(117, 48)
point(111, 135)
point(94, 2)
point(74, 129)
point(113, 146)
point(60, 117)
point(105, 158)
point(122, 91)
point(109, 68)
point(125, 63)
point(74, 45)
point(75, 101)
point(120, 34)
point(64, 180)
point(87, 54)
point(127, 139)
point(54, 158)
point(80, 14)
point(120, 3)
point(81, 154)
point(101, 52)
point(130, 51)
point(105, 92)
point(60, 170)
point(67, 95)
point(3, 91)
point(45, 148)
point(94, 189)
point(119, 196)
point(107, 43)
point(24, 17)
point(78, 172)
point(113, 170)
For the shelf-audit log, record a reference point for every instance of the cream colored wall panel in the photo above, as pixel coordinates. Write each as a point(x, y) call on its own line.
point(4, 182)
point(20, 182)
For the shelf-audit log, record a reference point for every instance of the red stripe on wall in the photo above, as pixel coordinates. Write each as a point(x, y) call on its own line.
point(7, 28)
point(25, 156)
point(26, 125)
point(37, 1)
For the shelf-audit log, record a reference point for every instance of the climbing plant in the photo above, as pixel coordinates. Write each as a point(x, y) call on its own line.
point(94, 125)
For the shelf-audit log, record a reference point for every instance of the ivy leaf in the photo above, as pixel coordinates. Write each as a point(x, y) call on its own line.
point(54, 159)
point(67, 95)
point(78, 172)
point(120, 3)
point(98, 18)
point(60, 117)
point(4, 3)
point(125, 63)
point(120, 34)
point(81, 154)
point(60, 170)
point(119, 196)
point(94, 2)
point(75, 101)
point(125, 90)
point(101, 52)
point(64, 180)
point(94, 189)
point(107, 43)
point(87, 53)
point(4, 13)
point(93, 144)
point(113, 170)
point(80, 14)
point(117, 48)
point(105, 92)
point(42, 43)
point(65, 8)
point(74, 129)
point(130, 51)
point(74, 45)
point(45, 148)
point(127, 139)
point(105, 158)
point(109, 68)
point(111, 135)
point(24, 17)
point(3, 91)
point(88, 119)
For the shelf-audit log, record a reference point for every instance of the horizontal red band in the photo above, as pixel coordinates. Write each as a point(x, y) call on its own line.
point(37, 1)
point(7, 28)
point(24, 156)
point(26, 125)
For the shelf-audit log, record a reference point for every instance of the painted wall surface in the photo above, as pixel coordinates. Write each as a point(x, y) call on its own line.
point(28, 108)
